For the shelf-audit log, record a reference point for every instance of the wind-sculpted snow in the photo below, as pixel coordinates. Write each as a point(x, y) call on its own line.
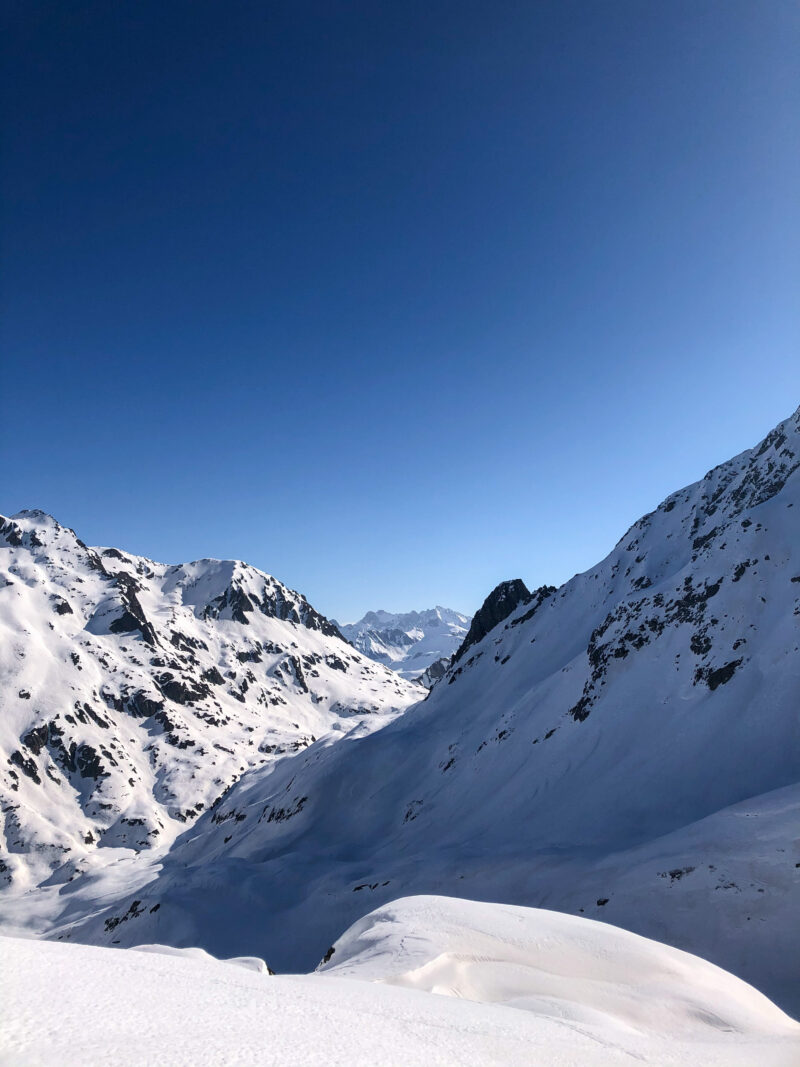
point(557, 966)
point(426, 981)
point(134, 694)
point(624, 747)
point(416, 644)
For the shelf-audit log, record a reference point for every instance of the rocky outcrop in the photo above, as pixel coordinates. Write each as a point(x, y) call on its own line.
point(431, 675)
point(135, 693)
point(496, 608)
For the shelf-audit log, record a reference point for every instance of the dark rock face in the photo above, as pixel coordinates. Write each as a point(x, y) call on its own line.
point(498, 605)
point(141, 705)
point(36, 738)
point(26, 765)
point(240, 605)
point(721, 675)
point(10, 532)
point(274, 604)
point(88, 763)
point(437, 670)
point(182, 691)
point(127, 623)
point(133, 617)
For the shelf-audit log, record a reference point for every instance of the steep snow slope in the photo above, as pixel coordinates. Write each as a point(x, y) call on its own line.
point(134, 694)
point(409, 643)
point(626, 746)
point(520, 986)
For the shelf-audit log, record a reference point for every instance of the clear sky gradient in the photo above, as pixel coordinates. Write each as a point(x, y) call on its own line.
point(393, 300)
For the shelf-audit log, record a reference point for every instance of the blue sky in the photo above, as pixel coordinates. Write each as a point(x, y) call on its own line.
point(392, 300)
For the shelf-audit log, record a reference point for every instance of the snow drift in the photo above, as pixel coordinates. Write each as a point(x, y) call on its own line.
point(521, 986)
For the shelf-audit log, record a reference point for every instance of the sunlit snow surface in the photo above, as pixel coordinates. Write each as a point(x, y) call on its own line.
point(586, 756)
point(624, 748)
point(409, 642)
point(518, 986)
point(133, 694)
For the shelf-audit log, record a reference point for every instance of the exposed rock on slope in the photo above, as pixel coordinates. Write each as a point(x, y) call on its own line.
point(134, 694)
point(626, 747)
point(503, 599)
point(431, 675)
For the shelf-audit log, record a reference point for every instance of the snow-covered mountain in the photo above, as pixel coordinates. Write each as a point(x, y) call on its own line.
point(423, 981)
point(134, 694)
point(625, 747)
point(410, 643)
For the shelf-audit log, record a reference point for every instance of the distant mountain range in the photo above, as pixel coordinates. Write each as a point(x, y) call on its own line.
point(412, 642)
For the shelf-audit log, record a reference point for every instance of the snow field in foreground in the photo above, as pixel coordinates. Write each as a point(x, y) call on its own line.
point(589, 993)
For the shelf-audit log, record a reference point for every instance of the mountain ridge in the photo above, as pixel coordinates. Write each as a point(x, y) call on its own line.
point(137, 692)
point(412, 642)
point(587, 755)
point(607, 749)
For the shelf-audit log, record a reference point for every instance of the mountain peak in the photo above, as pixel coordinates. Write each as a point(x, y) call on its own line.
point(498, 605)
point(607, 749)
point(409, 642)
point(143, 690)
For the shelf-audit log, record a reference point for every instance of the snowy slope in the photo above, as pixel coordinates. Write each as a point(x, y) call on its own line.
point(409, 642)
point(625, 746)
point(134, 694)
point(519, 986)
